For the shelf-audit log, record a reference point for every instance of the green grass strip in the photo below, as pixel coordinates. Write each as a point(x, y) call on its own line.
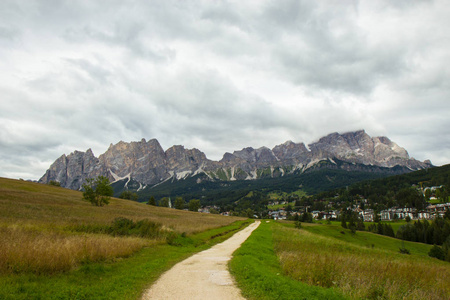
point(258, 273)
point(123, 279)
point(366, 239)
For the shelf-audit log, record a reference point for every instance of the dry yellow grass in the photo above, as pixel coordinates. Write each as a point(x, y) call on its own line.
point(30, 250)
point(359, 272)
point(31, 203)
point(37, 221)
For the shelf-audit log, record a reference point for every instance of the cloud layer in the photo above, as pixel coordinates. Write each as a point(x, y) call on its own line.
point(219, 75)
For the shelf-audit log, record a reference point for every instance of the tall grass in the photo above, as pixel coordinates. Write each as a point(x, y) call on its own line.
point(31, 250)
point(119, 279)
point(47, 229)
point(358, 271)
point(37, 204)
point(258, 272)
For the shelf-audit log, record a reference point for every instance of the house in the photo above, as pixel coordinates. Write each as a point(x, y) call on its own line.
point(387, 215)
point(315, 214)
point(438, 209)
point(423, 215)
point(397, 213)
point(278, 215)
point(368, 215)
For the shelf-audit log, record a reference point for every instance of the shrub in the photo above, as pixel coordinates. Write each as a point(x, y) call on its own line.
point(404, 251)
point(437, 252)
point(143, 228)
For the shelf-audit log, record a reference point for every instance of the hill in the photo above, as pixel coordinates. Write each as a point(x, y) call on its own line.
point(33, 204)
point(328, 262)
point(55, 245)
point(395, 190)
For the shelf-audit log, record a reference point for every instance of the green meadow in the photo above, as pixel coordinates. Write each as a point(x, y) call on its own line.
point(323, 261)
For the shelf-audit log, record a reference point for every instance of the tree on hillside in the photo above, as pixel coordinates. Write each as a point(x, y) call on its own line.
point(410, 197)
point(128, 195)
point(306, 217)
point(442, 194)
point(54, 183)
point(214, 211)
point(97, 190)
point(164, 202)
point(179, 203)
point(248, 213)
point(152, 201)
point(194, 205)
point(447, 214)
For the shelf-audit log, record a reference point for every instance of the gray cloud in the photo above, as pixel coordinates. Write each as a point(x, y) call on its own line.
point(219, 76)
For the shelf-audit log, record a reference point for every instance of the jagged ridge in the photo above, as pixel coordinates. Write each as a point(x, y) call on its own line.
point(148, 164)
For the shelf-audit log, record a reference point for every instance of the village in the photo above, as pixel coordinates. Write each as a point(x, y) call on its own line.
point(392, 214)
point(287, 208)
point(431, 211)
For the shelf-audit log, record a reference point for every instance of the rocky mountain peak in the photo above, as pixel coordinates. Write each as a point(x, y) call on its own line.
point(289, 150)
point(180, 159)
point(147, 162)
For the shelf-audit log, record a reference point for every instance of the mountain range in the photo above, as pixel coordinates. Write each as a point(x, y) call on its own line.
point(147, 163)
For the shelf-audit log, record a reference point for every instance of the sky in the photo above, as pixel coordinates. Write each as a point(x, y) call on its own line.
point(219, 75)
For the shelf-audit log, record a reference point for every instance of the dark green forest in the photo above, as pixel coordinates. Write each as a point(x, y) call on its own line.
point(394, 191)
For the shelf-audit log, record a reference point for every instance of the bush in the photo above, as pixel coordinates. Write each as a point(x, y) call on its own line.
point(404, 251)
point(437, 252)
point(143, 228)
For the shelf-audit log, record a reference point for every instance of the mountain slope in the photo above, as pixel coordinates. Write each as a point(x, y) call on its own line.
point(148, 164)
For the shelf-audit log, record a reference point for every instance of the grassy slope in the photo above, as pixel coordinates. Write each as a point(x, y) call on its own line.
point(394, 224)
point(259, 275)
point(35, 205)
point(122, 279)
point(361, 265)
point(45, 210)
point(329, 265)
point(367, 239)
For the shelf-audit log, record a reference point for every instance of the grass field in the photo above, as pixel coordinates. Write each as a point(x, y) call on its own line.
point(394, 224)
point(54, 245)
point(328, 262)
point(35, 205)
point(259, 274)
point(278, 206)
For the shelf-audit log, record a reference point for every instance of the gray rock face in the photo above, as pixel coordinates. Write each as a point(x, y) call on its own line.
point(359, 147)
point(144, 161)
point(149, 164)
point(72, 170)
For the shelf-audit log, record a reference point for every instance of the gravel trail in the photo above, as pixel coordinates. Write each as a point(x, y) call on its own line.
point(204, 275)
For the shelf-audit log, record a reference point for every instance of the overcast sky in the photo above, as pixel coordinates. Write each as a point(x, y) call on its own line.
point(219, 75)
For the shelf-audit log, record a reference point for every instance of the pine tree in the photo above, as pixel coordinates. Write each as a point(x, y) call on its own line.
point(152, 201)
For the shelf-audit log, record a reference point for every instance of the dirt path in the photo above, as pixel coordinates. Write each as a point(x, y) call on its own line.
point(204, 275)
